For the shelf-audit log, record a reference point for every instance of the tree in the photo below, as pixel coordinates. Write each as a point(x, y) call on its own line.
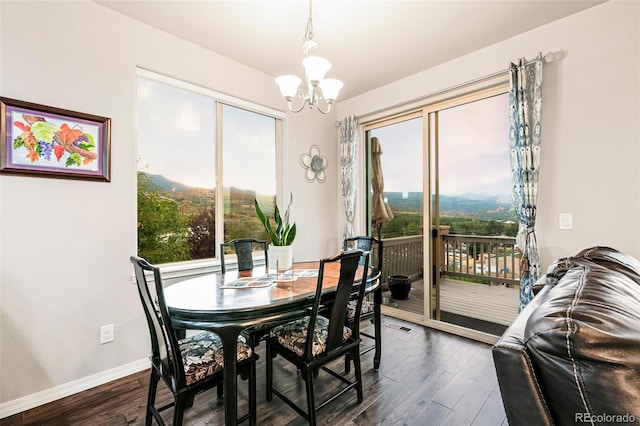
point(202, 239)
point(163, 230)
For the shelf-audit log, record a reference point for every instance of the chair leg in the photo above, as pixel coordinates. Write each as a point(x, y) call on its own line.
point(188, 401)
point(347, 363)
point(178, 412)
point(151, 398)
point(220, 389)
point(377, 326)
point(358, 371)
point(311, 400)
point(269, 372)
point(253, 410)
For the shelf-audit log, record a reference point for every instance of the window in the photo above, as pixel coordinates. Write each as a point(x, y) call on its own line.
point(401, 143)
point(249, 157)
point(202, 160)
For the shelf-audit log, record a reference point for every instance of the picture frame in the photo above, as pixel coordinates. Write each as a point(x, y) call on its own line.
point(43, 141)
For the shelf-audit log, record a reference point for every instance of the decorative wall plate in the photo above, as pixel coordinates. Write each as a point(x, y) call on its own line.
point(314, 165)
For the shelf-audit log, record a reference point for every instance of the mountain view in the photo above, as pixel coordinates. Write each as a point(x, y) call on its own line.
point(497, 207)
point(466, 214)
point(177, 222)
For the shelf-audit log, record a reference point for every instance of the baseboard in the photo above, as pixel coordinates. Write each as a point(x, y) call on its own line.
point(44, 397)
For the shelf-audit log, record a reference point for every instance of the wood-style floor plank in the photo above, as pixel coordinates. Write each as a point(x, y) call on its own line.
point(427, 377)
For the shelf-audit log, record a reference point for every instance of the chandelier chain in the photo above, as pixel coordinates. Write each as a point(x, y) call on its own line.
point(319, 88)
point(308, 32)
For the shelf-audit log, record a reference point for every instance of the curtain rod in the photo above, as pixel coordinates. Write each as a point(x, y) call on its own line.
point(547, 58)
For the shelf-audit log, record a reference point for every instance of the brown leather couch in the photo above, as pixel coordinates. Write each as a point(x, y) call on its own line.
point(572, 356)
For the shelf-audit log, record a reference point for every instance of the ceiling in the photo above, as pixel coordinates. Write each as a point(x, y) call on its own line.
point(369, 42)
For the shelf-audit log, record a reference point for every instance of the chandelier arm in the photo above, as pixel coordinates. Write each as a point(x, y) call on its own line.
point(320, 109)
point(304, 102)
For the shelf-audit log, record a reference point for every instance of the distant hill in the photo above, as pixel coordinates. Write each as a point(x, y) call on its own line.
point(465, 204)
point(164, 184)
point(474, 204)
point(182, 192)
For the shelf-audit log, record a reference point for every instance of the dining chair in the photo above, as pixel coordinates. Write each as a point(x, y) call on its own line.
point(244, 250)
point(370, 308)
point(313, 341)
point(187, 366)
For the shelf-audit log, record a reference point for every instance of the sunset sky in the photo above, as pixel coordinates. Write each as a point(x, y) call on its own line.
point(474, 150)
point(176, 128)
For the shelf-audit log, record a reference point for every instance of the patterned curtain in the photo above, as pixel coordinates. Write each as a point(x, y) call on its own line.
point(348, 170)
point(525, 104)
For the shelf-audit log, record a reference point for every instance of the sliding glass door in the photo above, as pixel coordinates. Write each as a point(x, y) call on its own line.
point(456, 244)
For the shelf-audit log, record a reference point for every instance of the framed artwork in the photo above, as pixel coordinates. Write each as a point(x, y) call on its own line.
point(43, 141)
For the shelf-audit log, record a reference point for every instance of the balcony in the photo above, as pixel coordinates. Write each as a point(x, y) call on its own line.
point(479, 277)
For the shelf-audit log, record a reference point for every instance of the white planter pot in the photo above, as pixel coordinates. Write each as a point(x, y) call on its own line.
point(280, 257)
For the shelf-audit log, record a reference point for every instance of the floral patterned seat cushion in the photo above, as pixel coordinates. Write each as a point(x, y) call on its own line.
point(293, 335)
point(367, 308)
point(202, 355)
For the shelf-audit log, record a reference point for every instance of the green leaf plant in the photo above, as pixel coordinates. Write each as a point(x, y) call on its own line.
point(284, 233)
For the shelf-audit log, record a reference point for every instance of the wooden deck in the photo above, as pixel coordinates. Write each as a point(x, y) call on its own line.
point(493, 303)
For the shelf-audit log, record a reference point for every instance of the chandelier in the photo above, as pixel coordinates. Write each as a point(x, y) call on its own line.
point(315, 68)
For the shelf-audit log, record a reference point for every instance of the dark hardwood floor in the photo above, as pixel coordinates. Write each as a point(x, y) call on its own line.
point(427, 377)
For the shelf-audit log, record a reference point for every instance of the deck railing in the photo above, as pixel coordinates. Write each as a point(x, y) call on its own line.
point(483, 258)
point(480, 258)
point(402, 256)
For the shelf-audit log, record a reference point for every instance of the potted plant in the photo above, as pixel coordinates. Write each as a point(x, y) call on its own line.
point(280, 236)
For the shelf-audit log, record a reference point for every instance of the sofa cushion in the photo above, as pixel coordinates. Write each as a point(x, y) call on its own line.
point(584, 339)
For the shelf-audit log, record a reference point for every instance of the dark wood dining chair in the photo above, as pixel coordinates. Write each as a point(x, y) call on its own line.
point(312, 342)
point(370, 308)
point(187, 366)
point(244, 249)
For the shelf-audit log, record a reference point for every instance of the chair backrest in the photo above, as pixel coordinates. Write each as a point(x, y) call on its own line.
point(367, 243)
point(337, 306)
point(243, 248)
point(165, 350)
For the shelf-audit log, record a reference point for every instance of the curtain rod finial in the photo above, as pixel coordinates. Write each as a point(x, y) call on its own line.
point(549, 57)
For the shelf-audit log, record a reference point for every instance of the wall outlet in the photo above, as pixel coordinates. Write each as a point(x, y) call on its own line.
point(106, 334)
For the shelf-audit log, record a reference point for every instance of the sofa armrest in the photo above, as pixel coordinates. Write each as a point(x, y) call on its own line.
point(522, 396)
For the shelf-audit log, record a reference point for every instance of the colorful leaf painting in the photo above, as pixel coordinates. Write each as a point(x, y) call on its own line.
point(43, 131)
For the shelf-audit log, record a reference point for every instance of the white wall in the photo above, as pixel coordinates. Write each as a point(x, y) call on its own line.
point(315, 204)
point(64, 245)
point(591, 122)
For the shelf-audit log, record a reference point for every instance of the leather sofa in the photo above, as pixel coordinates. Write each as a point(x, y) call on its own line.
point(572, 356)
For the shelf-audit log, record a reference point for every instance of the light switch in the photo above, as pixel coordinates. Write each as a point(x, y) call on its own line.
point(566, 221)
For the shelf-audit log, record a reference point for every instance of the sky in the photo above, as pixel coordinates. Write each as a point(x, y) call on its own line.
point(176, 134)
point(473, 156)
point(176, 130)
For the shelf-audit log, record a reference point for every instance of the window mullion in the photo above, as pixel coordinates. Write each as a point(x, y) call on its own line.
point(219, 233)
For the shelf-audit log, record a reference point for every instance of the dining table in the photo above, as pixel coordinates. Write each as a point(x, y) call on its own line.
point(227, 304)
